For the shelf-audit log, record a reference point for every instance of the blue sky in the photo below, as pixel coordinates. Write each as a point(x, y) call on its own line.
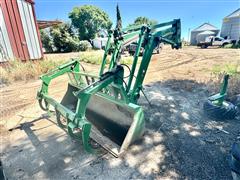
point(191, 12)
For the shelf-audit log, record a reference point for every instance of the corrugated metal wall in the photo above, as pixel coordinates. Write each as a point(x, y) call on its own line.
point(5, 46)
point(193, 39)
point(22, 29)
point(14, 28)
point(231, 28)
point(29, 27)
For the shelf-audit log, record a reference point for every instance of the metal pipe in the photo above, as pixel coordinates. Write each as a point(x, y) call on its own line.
point(134, 64)
point(105, 53)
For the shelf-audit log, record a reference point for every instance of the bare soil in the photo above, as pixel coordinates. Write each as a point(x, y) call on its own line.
point(179, 142)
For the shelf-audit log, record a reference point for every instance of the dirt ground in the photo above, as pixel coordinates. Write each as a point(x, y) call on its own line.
point(179, 142)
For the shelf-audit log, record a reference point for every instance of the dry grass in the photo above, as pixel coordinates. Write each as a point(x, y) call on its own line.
point(17, 71)
point(233, 84)
point(217, 77)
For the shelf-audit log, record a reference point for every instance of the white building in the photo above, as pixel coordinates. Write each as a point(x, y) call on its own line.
point(101, 40)
point(203, 31)
point(231, 26)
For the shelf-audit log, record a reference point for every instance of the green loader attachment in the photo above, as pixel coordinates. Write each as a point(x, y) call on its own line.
point(103, 107)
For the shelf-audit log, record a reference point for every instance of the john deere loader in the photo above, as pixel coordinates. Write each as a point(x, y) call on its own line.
point(104, 106)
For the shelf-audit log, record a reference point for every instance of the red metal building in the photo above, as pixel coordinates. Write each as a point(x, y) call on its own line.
point(19, 33)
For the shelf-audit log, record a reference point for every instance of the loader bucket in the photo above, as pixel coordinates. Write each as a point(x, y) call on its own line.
point(115, 125)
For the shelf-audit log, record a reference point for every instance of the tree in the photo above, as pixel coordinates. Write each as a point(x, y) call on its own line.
point(119, 19)
point(47, 41)
point(88, 20)
point(64, 38)
point(143, 20)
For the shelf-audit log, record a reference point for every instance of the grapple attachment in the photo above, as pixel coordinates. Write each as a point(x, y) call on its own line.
point(99, 111)
point(104, 107)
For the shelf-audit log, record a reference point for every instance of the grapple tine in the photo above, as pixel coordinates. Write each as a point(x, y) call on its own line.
point(83, 135)
point(86, 129)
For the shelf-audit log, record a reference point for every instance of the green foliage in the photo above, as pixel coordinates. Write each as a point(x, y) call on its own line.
point(233, 46)
point(232, 69)
point(143, 20)
point(119, 19)
point(95, 57)
point(92, 57)
point(64, 38)
point(88, 20)
point(228, 46)
point(84, 45)
point(47, 41)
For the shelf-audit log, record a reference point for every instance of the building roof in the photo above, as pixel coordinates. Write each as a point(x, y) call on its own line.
point(234, 14)
point(45, 24)
point(206, 32)
point(205, 27)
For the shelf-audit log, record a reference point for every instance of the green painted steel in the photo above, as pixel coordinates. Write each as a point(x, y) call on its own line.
point(135, 60)
point(108, 103)
point(108, 45)
point(218, 98)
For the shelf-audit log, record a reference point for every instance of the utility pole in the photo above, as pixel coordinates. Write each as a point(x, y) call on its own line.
point(189, 35)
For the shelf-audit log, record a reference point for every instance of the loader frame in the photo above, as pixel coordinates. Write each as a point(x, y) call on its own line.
point(110, 82)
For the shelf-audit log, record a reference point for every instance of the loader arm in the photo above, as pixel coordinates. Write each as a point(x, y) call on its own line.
point(150, 36)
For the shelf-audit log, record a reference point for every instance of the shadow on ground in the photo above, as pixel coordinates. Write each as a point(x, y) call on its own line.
point(194, 146)
point(179, 143)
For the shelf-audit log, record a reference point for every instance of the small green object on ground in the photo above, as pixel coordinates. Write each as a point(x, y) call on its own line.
point(216, 107)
